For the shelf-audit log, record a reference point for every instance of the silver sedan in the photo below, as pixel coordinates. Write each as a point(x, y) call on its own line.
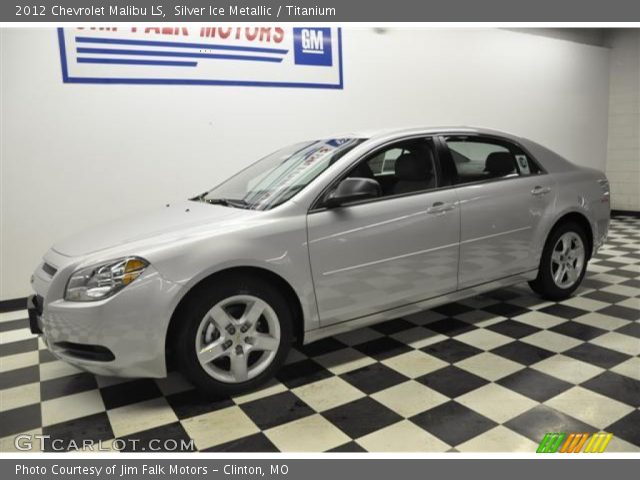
point(316, 239)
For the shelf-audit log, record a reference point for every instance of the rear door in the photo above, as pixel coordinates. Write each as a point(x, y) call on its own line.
point(503, 196)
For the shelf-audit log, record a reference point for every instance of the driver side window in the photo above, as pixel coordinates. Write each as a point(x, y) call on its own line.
point(401, 168)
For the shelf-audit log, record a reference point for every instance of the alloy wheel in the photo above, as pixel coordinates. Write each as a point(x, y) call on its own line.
point(238, 338)
point(567, 260)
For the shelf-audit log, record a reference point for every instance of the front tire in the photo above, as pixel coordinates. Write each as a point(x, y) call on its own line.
point(563, 263)
point(236, 332)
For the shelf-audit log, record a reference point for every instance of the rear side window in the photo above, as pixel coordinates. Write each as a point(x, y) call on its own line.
point(478, 158)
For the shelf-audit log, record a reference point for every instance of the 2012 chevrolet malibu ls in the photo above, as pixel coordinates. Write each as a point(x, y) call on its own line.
point(316, 239)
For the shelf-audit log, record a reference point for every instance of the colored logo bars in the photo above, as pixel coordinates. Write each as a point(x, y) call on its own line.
point(573, 442)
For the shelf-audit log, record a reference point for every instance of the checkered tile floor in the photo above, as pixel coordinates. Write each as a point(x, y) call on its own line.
point(491, 373)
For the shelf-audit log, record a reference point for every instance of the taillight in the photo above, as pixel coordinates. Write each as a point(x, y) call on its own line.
point(606, 193)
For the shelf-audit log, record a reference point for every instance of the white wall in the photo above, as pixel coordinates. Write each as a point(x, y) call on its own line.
point(78, 155)
point(623, 153)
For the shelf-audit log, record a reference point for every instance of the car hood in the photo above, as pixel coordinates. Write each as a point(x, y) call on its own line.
point(158, 225)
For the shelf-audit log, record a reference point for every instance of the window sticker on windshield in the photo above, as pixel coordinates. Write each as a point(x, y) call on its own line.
point(523, 163)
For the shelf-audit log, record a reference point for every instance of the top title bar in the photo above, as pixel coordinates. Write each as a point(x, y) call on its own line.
point(60, 11)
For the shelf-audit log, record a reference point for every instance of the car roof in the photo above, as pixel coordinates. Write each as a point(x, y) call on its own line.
point(391, 132)
point(551, 161)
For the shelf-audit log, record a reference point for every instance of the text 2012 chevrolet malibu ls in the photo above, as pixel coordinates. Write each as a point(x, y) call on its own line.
point(313, 240)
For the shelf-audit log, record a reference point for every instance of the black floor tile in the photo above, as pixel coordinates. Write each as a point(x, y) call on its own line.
point(523, 353)
point(349, 447)
point(276, 409)
point(634, 283)
point(564, 311)
point(513, 329)
point(595, 355)
point(45, 356)
point(20, 420)
point(321, 347)
point(627, 428)
point(13, 304)
point(589, 282)
point(505, 309)
point(604, 296)
point(14, 325)
point(578, 330)
point(450, 327)
point(393, 326)
point(191, 403)
point(382, 348)
point(126, 393)
point(535, 385)
point(452, 381)
point(452, 309)
point(619, 272)
point(300, 373)
point(503, 294)
point(21, 346)
point(361, 417)
point(619, 387)
point(19, 376)
point(632, 329)
point(453, 423)
point(608, 264)
point(373, 378)
point(451, 350)
point(69, 435)
point(63, 386)
point(540, 420)
point(619, 311)
point(257, 442)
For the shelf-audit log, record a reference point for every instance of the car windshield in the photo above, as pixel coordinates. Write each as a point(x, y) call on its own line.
point(278, 177)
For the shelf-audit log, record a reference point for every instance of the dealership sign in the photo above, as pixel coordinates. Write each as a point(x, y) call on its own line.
point(303, 57)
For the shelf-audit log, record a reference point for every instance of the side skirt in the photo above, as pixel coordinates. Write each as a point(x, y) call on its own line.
point(360, 322)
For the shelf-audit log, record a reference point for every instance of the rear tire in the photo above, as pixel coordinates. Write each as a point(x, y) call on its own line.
point(235, 333)
point(563, 263)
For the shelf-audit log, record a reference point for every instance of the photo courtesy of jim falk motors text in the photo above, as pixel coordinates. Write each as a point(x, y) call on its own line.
point(128, 471)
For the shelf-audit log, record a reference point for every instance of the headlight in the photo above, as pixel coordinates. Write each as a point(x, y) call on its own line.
point(103, 280)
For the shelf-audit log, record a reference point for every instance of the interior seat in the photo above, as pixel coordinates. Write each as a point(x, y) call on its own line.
point(414, 172)
point(499, 164)
point(362, 170)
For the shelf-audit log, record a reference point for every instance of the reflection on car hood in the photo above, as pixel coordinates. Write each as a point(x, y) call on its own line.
point(175, 219)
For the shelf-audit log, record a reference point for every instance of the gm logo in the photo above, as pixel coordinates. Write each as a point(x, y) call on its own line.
point(312, 46)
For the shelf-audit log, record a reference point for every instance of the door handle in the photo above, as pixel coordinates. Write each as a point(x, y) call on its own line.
point(440, 207)
point(540, 190)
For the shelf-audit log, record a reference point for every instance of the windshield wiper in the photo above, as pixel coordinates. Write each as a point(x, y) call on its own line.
point(227, 202)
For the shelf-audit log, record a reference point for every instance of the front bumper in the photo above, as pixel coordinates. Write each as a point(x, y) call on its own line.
point(122, 336)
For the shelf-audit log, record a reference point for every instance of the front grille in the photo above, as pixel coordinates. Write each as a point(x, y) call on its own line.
point(48, 269)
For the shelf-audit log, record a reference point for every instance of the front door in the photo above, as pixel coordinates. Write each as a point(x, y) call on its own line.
point(391, 251)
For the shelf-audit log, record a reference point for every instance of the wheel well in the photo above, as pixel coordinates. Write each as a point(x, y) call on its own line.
point(267, 275)
point(581, 220)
